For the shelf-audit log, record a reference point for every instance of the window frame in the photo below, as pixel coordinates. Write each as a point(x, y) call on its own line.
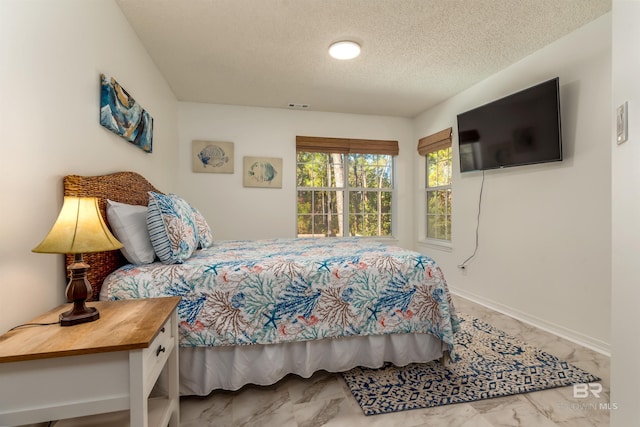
point(439, 187)
point(391, 190)
point(354, 147)
point(429, 144)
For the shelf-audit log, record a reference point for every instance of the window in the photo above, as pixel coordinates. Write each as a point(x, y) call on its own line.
point(439, 194)
point(437, 151)
point(343, 189)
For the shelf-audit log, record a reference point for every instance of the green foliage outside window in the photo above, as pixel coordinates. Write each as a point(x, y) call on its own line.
point(439, 166)
point(338, 192)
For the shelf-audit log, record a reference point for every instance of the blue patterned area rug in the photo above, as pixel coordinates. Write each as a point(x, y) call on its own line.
point(491, 364)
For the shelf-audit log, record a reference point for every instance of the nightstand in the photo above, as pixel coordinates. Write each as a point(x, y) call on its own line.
point(109, 365)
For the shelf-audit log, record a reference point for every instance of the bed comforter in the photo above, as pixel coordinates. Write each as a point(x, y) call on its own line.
point(285, 290)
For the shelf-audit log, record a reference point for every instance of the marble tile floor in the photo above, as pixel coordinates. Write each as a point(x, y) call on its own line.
point(325, 400)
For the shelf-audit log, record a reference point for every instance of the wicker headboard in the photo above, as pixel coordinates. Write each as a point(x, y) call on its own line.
point(123, 187)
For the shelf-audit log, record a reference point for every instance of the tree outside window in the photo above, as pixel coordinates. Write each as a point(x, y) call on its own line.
point(438, 194)
point(338, 192)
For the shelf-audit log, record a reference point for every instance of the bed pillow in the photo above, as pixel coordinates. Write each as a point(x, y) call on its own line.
point(129, 224)
point(172, 228)
point(205, 236)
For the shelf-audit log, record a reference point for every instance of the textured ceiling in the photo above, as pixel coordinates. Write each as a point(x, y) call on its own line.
point(415, 53)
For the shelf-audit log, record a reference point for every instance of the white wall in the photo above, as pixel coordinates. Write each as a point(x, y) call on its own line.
point(236, 212)
point(52, 54)
point(625, 370)
point(544, 250)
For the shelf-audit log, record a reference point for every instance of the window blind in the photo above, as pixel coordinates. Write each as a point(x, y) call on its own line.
point(435, 142)
point(316, 144)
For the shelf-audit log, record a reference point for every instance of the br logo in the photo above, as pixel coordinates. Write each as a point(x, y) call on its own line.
point(583, 390)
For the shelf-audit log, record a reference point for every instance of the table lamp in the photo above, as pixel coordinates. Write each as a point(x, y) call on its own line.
point(78, 229)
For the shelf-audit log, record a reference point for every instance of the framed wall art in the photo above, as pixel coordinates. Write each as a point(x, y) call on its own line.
point(121, 114)
point(264, 172)
point(212, 156)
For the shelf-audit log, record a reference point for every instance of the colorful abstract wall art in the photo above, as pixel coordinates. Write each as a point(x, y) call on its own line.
point(212, 157)
point(265, 172)
point(120, 113)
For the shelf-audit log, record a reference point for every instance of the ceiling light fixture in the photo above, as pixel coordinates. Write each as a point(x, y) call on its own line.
point(344, 50)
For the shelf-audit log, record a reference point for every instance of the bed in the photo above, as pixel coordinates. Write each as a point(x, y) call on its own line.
point(254, 311)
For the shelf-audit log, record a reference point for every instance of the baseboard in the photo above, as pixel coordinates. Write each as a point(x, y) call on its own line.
point(568, 334)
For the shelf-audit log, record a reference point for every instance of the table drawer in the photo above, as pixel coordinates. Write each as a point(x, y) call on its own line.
point(161, 346)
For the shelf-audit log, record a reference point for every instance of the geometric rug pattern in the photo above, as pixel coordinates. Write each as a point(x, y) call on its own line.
point(491, 364)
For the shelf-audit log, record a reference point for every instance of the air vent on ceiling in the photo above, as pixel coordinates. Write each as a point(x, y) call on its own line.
point(299, 106)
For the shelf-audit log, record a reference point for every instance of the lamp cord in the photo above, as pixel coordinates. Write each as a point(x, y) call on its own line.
point(33, 324)
point(464, 263)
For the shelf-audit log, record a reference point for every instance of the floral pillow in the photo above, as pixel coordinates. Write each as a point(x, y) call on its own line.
point(205, 235)
point(172, 228)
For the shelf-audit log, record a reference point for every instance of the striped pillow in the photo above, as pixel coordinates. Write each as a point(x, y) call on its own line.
point(172, 228)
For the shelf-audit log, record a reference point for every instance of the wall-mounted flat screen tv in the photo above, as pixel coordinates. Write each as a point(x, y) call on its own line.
point(520, 129)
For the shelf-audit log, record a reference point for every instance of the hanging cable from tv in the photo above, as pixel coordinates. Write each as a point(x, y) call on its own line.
point(464, 263)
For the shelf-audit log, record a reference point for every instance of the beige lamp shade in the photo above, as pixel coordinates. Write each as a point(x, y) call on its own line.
point(78, 229)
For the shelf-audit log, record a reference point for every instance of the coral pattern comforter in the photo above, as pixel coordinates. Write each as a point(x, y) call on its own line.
point(283, 290)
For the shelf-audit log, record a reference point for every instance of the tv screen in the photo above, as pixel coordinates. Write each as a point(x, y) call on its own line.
point(519, 129)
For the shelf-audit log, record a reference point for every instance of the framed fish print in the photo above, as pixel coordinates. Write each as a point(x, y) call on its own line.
point(121, 114)
point(264, 172)
point(212, 156)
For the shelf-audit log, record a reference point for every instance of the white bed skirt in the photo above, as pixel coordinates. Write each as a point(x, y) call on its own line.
point(203, 370)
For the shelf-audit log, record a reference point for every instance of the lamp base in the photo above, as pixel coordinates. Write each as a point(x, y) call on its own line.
point(79, 315)
point(79, 290)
